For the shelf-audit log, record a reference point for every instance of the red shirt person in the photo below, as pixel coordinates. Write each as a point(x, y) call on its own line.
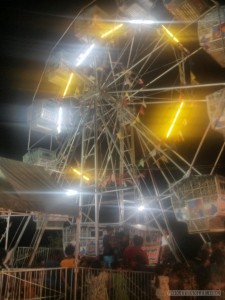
point(134, 257)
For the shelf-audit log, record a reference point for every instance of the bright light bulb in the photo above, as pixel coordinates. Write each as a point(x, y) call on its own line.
point(141, 208)
point(111, 31)
point(170, 34)
point(59, 121)
point(174, 120)
point(71, 192)
point(84, 55)
point(79, 173)
point(141, 22)
point(68, 84)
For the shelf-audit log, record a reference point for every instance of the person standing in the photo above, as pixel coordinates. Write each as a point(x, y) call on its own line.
point(108, 250)
point(165, 249)
point(69, 263)
point(134, 257)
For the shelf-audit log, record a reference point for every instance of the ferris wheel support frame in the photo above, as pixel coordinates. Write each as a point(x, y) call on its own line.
point(63, 160)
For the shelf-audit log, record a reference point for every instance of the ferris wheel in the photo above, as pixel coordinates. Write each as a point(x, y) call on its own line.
point(116, 129)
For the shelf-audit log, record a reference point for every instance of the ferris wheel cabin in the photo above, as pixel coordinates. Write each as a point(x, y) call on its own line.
point(199, 201)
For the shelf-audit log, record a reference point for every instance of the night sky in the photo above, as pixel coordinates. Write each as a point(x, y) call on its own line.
point(29, 30)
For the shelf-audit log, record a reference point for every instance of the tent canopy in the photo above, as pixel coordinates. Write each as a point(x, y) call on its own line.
point(28, 188)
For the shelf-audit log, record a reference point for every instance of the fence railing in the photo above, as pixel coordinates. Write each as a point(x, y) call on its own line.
point(70, 284)
point(22, 256)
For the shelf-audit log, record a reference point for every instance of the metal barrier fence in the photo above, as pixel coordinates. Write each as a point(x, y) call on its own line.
point(79, 284)
point(23, 254)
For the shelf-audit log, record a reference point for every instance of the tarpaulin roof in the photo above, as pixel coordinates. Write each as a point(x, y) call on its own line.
point(28, 188)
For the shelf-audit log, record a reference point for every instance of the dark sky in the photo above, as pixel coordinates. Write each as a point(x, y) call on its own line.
point(29, 30)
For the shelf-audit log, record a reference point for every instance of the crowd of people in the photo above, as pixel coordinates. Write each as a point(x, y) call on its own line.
point(128, 252)
point(120, 254)
point(204, 272)
point(210, 271)
point(118, 249)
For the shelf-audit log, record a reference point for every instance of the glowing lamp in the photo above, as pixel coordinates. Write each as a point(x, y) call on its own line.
point(84, 55)
point(80, 174)
point(111, 31)
point(174, 120)
point(141, 208)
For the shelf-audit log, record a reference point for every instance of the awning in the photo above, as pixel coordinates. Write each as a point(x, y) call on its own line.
point(28, 188)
